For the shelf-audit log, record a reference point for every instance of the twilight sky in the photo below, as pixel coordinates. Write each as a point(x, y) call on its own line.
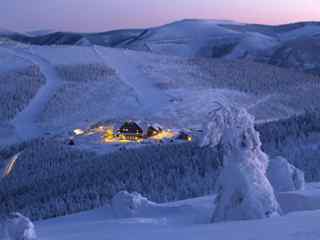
point(100, 15)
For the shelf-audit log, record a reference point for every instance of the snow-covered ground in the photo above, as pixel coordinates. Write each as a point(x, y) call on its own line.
point(26, 122)
point(185, 38)
point(253, 44)
point(188, 219)
point(11, 62)
point(84, 85)
point(291, 46)
point(148, 96)
point(305, 31)
point(47, 91)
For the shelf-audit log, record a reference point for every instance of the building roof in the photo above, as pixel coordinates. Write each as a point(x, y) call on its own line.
point(131, 127)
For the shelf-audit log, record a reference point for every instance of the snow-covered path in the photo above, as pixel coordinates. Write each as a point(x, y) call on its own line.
point(149, 97)
point(26, 122)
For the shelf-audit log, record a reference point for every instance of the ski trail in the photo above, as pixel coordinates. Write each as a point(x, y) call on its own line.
point(27, 121)
point(149, 96)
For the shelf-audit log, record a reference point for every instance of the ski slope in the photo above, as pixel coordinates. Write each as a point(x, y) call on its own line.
point(85, 85)
point(147, 95)
point(26, 122)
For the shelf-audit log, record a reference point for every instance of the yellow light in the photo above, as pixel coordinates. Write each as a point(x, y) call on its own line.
point(109, 134)
point(78, 131)
point(189, 138)
point(164, 135)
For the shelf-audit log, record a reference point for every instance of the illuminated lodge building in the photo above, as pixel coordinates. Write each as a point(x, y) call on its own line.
point(130, 131)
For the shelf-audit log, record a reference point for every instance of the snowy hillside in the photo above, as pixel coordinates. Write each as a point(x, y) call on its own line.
point(284, 45)
point(56, 90)
point(48, 94)
point(40, 33)
point(84, 85)
point(185, 219)
point(197, 129)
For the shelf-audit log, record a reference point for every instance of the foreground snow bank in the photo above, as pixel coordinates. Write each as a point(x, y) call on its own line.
point(284, 177)
point(100, 225)
point(297, 201)
point(125, 204)
point(243, 190)
point(20, 228)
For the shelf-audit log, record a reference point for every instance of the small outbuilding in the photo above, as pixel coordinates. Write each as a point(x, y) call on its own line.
point(184, 136)
point(71, 142)
point(153, 131)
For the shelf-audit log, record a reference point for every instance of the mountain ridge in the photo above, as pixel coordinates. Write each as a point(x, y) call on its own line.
point(285, 45)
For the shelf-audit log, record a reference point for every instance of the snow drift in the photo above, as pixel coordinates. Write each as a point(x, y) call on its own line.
point(20, 227)
point(284, 177)
point(125, 204)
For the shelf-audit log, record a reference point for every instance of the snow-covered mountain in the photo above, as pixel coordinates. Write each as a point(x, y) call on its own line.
point(109, 39)
point(141, 85)
point(46, 92)
point(39, 33)
point(291, 46)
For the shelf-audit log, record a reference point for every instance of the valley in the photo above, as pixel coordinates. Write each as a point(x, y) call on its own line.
point(84, 117)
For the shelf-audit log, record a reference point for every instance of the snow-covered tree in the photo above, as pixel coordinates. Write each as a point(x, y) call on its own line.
point(20, 227)
point(284, 177)
point(125, 204)
point(243, 190)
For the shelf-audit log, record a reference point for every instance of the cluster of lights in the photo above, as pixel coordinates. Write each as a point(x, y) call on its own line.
point(168, 134)
point(109, 135)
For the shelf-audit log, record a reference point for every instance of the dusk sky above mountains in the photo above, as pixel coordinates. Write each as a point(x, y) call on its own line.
point(101, 15)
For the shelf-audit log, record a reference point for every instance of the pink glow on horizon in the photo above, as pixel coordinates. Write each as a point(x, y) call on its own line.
point(102, 15)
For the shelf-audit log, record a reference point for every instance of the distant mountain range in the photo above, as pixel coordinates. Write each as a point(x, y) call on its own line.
point(295, 46)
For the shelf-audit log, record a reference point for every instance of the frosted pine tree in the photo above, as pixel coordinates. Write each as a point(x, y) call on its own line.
point(243, 190)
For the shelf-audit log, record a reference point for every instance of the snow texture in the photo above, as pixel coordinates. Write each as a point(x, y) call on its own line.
point(20, 227)
point(283, 176)
point(99, 224)
point(243, 189)
point(125, 204)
